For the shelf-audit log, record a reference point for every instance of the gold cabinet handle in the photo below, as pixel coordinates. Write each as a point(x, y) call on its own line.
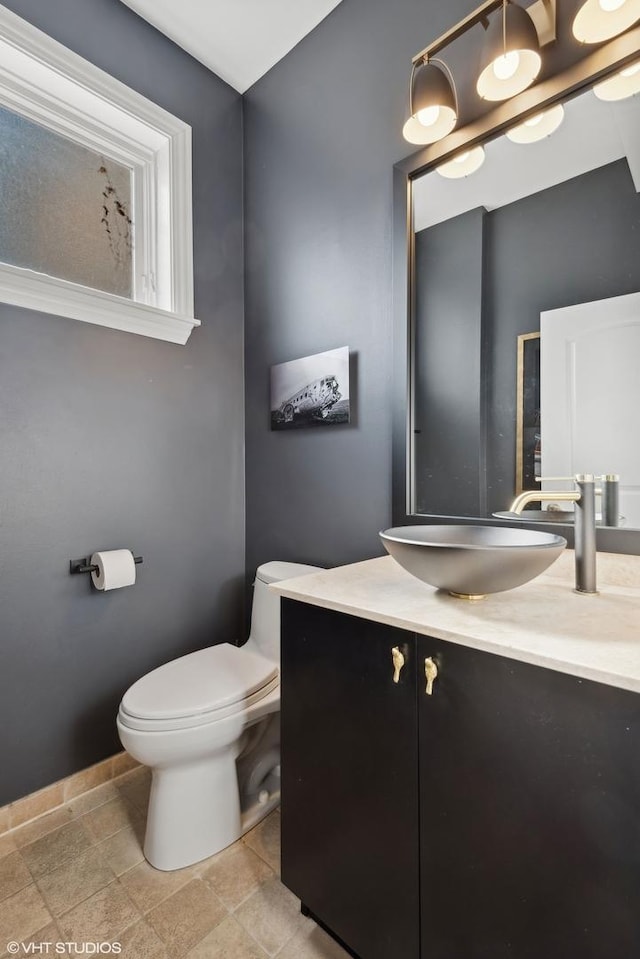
point(430, 672)
point(398, 663)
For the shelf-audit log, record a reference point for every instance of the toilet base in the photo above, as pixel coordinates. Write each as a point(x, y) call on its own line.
point(199, 807)
point(179, 847)
point(194, 812)
point(255, 814)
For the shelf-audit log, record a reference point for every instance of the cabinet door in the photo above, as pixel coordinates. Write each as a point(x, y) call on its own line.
point(349, 779)
point(530, 812)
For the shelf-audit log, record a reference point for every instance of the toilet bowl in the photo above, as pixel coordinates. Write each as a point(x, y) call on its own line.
point(208, 726)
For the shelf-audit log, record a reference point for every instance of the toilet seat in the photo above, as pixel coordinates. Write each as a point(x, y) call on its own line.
point(200, 688)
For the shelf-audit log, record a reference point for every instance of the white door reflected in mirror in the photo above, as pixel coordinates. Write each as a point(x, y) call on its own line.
point(590, 394)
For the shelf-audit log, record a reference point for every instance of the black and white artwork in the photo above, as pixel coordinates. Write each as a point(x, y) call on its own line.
point(312, 391)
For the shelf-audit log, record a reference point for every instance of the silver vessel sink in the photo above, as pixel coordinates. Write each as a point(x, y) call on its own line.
point(471, 561)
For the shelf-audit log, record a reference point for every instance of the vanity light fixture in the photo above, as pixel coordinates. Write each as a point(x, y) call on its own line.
point(600, 20)
point(510, 57)
point(538, 127)
point(622, 85)
point(433, 103)
point(463, 164)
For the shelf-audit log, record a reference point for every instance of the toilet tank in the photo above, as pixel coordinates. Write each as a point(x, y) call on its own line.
point(264, 637)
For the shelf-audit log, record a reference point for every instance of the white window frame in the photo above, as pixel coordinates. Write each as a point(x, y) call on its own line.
point(45, 82)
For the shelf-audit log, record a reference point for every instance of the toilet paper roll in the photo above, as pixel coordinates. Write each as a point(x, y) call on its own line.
point(116, 568)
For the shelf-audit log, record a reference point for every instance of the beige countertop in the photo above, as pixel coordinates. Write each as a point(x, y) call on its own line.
point(543, 622)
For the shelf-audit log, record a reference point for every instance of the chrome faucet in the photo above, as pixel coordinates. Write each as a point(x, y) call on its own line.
point(584, 498)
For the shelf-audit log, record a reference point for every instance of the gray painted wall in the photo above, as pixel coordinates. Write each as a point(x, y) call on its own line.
point(448, 422)
point(113, 440)
point(322, 132)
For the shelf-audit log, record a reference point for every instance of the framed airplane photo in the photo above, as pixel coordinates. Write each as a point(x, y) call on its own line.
point(312, 391)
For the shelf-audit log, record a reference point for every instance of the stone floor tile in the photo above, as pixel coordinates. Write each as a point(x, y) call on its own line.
point(36, 804)
point(271, 916)
point(227, 941)
point(136, 786)
point(148, 886)
point(101, 918)
point(138, 796)
point(141, 942)
point(235, 873)
point(77, 852)
point(122, 851)
point(87, 780)
point(61, 949)
point(7, 844)
point(14, 875)
point(51, 851)
point(110, 818)
point(41, 827)
point(42, 942)
point(88, 801)
point(140, 774)
point(185, 918)
point(122, 763)
point(313, 943)
point(78, 879)
point(21, 915)
point(264, 839)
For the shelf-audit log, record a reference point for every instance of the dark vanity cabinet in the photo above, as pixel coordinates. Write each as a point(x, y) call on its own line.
point(497, 817)
point(351, 846)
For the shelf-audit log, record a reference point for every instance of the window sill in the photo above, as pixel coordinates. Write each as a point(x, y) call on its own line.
point(35, 291)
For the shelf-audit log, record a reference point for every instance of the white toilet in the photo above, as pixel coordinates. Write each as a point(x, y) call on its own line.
point(208, 726)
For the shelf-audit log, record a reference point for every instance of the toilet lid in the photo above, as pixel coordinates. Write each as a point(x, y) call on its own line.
point(276, 571)
point(201, 682)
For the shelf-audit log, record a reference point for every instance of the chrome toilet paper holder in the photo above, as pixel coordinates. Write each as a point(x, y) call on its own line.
point(84, 566)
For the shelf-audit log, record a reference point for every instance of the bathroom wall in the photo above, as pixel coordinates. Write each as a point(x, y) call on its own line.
point(448, 422)
point(113, 440)
point(323, 130)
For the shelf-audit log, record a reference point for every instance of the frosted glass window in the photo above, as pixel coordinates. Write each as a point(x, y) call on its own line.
point(65, 210)
point(81, 157)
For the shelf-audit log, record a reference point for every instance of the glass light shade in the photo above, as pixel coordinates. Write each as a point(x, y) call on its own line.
point(538, 127)
point(463, 164)
point(622, 85)
point(510, 56)
point(433, 102)
point(599, 20)
point(415, 132)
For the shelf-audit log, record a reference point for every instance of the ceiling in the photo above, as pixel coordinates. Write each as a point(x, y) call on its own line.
point(239, 40)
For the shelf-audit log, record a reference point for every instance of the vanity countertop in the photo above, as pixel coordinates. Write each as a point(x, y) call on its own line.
point(543, 622)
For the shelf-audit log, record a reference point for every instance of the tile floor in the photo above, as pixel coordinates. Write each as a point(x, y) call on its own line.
point(77, 875)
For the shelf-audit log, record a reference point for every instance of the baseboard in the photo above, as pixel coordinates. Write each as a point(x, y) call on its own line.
point(46, 800)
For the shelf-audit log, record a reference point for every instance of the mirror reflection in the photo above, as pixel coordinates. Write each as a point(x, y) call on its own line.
point(527, 285)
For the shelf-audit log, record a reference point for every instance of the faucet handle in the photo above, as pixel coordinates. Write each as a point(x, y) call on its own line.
point(610, 499)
